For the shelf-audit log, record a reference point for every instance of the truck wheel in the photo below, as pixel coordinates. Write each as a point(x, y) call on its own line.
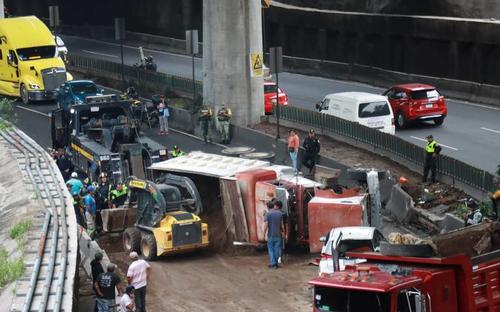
point(401, 121)
point(131, 240)
point(148, 246)
point(439, 121)
point(24, 94)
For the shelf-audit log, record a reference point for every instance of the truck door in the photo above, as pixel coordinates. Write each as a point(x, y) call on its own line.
point(59, 129)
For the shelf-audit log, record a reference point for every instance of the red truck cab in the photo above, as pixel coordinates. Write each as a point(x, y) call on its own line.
point(416, 102)
point(270, 97)
point(403, 284)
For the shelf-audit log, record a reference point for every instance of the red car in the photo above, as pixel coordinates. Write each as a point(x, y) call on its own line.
point(416, 102)
point(270, 97)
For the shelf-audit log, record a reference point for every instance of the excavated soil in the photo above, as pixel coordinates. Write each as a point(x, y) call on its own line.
point(346, 154)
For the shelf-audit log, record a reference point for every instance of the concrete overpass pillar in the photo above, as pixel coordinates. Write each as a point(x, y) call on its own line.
point(232, 29)
point(2, 15)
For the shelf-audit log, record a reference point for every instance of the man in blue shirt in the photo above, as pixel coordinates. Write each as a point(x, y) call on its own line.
point(75, 184)
point(90, 210)
point(274, 229)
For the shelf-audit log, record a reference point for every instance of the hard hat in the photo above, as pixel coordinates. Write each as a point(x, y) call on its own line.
point(74, 175)
point(103, 175)
point(90, 189)
point(403, 180)
point(176, 147)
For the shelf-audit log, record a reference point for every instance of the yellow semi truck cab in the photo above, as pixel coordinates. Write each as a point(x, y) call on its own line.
point(30, 67)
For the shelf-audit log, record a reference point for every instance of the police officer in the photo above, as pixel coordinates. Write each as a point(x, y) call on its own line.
point(432, 150)
point(205, 119)
point(177, 152)
point(224, 116)
point(312, 147)
point(119, 195)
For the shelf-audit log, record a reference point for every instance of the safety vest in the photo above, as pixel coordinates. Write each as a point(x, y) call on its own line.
point(116, 193)
point(431, 147)
point(177, 154)
point(224, 114)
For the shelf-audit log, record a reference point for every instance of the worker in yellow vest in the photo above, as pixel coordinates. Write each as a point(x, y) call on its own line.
point(432, 150)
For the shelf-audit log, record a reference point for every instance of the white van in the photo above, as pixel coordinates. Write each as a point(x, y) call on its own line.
point(371, 110)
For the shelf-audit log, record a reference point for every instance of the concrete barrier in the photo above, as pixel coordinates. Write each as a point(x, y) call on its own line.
point(88, 249)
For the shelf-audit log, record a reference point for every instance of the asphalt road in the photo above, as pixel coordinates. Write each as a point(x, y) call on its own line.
point(470, 133)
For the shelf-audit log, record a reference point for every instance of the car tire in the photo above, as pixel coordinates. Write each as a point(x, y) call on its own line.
point(401, 121)
point(131, 240)
point(148, 246)
point(24, 94)
point(439, 121)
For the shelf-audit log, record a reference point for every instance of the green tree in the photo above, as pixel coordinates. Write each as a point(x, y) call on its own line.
point(7, 112)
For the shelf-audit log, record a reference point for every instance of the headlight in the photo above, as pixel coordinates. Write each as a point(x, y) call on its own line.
point(34, 86)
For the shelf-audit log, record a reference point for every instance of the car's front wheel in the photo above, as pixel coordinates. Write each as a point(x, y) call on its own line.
point(401, 121)
point(24, 94)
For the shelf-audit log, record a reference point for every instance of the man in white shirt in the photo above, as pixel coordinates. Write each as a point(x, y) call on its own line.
point(127, 303)
point(138, 276)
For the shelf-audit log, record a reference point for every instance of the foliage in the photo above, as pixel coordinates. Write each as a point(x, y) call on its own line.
point(10, 270)
point(17, 231)
point(462, 210)
point(486, 208)
point(7, 112)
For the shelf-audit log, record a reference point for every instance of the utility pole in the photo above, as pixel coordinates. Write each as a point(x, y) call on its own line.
point(120, 36)
point(277, 67)
point(192, 49)
point(2, 8)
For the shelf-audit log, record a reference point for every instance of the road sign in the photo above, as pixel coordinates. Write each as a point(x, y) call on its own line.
point(54, 16)
point(256, 65)
point(192, 42)
point(276, 60)
point(266, 3)
point(119, 28)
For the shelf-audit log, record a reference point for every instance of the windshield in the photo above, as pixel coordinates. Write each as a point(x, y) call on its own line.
point(84, 88)
point(341, 300)
point(374, 109)
point(424, 94)
point(36, 53)
point(270, 88)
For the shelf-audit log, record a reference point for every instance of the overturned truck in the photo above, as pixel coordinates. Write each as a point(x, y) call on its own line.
point(237, 191)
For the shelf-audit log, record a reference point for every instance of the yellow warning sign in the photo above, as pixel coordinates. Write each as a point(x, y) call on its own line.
point(256, 64)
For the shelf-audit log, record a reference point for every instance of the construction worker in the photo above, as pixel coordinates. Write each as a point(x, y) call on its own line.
point(312, 147)
point(205, 119)
point(119, 195)
point(495, 198)
point(177, 152)
point(432, 150)
point(102, 199)
point(90, 210)
point(75, 184)
point(224, 117)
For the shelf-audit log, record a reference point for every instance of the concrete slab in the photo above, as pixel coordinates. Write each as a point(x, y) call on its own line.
point(401, 205)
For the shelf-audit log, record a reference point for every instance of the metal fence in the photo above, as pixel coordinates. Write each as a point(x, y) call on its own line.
point(458, 170)
point(132, 73)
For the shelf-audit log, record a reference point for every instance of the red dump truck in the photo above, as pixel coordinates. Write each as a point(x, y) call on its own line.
point(402, 284)
point(240, 188)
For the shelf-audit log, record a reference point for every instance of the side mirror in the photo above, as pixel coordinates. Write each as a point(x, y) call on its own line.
point(322, 238)
point(9, 59)
point(101, 91)
point(319, 106)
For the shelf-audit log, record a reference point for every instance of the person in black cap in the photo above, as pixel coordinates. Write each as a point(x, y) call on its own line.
point(432, 150)
point(312, 147)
